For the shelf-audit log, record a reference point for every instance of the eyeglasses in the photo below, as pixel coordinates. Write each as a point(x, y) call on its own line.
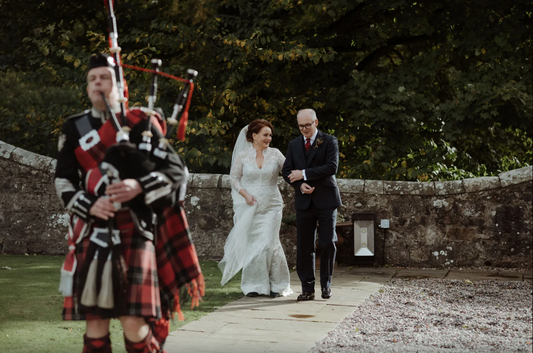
point(306, 126)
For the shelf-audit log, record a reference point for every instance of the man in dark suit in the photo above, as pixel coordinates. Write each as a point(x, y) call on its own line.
point(310, 167)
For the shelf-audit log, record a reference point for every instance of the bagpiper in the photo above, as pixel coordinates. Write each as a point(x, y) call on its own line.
point(130, 249)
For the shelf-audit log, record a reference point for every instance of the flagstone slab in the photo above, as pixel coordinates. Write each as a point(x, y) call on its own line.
point(527, 277)
point(472, 276)
point(486, 275)
point(291, 333)
point(291, 347)
point(508, 276)
point(205, 326)
point(372, 271)
point(420, 273)
point(180, 343)
point(373, 275)
point(347, 281)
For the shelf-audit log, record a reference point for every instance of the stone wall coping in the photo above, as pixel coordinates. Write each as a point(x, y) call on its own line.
point(6, 149)
point(353, 186)
point(27, 158)
point(451, 187)
point(481, 183)
point(516, 176)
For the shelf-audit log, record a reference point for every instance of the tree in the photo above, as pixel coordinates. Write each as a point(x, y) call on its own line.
point(413, 91)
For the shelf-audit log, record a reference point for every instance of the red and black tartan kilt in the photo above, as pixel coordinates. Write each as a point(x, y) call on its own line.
point(177, 260)
point(142, 288)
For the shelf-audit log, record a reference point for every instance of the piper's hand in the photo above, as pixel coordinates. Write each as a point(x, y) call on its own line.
point(250, 200)
point(124, 190)
point(103, 208)
point(306, 189)
point(296, 175)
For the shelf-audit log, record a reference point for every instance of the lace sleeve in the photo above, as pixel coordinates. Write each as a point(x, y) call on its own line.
point(236, 172)
point(280, 159)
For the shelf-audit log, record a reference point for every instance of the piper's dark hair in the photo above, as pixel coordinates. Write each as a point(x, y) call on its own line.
point(101, 60)
point(255, 126)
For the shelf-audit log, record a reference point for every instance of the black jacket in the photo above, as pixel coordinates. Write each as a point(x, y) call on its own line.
point(320, 164)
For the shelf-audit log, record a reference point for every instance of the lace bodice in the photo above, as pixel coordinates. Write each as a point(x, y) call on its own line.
point(245, 174)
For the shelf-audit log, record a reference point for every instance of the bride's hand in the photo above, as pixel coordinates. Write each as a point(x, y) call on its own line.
point(250, 200)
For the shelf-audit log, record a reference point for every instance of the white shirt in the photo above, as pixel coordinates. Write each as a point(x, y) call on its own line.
point(313, 138)
point(311, 141)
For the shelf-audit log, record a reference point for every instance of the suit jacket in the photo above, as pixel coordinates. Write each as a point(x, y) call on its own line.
point(320, 164)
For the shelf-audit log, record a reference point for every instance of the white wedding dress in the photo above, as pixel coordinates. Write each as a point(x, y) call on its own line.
point(253, 244)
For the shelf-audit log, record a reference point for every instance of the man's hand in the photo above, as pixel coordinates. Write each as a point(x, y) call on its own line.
point(124, 190)
point(103, 208)
point(306, 189)
point(296, 175)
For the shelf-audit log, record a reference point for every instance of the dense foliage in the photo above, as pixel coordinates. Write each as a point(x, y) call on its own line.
point(413, 90)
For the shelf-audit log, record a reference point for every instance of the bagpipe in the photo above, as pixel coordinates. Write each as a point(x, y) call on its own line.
point(103, 280)
point(123, 152)
point(183, 100)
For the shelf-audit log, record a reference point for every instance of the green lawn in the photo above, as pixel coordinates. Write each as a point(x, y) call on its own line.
point(30, 306)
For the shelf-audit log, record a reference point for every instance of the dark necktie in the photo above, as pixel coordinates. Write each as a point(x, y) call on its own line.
point(307, 144)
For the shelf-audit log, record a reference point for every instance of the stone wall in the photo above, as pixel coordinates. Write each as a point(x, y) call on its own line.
point(472, 222)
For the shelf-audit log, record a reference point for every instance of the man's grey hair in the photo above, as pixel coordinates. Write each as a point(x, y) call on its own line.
point(308, 111)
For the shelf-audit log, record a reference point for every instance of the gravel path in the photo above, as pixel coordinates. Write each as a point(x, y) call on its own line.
point(436, 315)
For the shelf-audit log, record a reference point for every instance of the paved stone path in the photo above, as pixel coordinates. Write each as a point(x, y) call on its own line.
point(280, 325)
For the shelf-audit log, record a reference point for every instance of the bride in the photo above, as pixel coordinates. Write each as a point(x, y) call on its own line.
point(253, 244)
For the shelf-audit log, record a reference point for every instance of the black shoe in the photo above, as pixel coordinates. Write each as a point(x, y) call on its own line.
point(252, 294)
point(326, 293)
point(274, 294)
point(306, 296)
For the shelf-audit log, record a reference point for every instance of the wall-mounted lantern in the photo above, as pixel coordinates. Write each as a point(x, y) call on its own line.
point(364, 230)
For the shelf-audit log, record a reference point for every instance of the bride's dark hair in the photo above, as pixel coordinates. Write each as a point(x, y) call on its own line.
point(255, 126)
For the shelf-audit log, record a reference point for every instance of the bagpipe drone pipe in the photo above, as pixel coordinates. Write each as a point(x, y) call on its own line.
point(102, 281)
